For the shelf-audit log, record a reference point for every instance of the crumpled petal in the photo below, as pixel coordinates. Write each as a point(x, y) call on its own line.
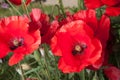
point(89, 16)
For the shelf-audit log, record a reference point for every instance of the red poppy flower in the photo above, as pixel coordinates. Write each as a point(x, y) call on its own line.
point(100, 27)
point(113, 6)
point(77, 46)
point(112, 73)
point(16, 38)
point(80, 42)
point(18, 2)
point(41, 21)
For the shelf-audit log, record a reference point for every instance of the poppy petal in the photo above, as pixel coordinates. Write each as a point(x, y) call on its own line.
point(110, 2)
point(4, 50)
point(69, 69)
point(35, 14)
point(112, 11)
point(93, 4)
point(103, 30)
point(16, 57)
point(89, 16)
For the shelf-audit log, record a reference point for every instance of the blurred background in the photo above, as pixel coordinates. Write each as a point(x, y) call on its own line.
point(7, 10)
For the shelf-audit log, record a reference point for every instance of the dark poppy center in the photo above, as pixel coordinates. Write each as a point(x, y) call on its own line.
point(79, 48)
point(15, 43)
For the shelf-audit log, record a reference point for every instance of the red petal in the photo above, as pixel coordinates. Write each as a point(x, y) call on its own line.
point(16, 57)
point(110, 2)
point(102, 32)
point(55, 47)
point(6, 21)
point(96, 55)
point(65, 42)
point(51, 32)
point(77, 26)
point(89, 16)
point(32, 41)
point(4, 50)
point(68, 69)
point(35, 14)
point(15, 29)
point(93, 4)
point(112, 11)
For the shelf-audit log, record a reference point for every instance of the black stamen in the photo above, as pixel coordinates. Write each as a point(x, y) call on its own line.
point(15, 43)
point(79, 48)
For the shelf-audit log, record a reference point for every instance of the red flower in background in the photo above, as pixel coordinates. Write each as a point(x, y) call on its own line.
point(16, 38)
point(19, 2)
point(41, 21)
point(112, 73)
point(112, 9)
point(80, 42)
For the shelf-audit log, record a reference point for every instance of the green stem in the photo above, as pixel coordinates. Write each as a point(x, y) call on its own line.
point(54, 10)
point(62, 8)
point(46, 69)
point(100, 75)
point(13, 7)
point(57, 72)
point(38, 57)
point(25, 8)
point(38, 76)
point(22, 73)
point(11, 11)
point(99, 12)
point(47, 56)
point(82, 75)
point(41, 5)
point(46, 64)
point(117, 60)
point(81, 4)
point(90, 74)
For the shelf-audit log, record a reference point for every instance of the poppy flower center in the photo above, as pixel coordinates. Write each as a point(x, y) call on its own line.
point(79, 48)
point(16, 42)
